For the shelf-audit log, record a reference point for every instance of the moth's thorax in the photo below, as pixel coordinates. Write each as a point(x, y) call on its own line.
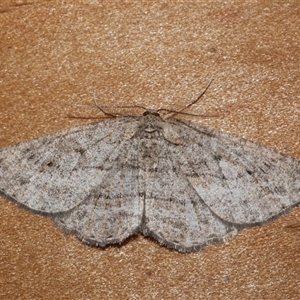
point(150, 131)
point(151, 125)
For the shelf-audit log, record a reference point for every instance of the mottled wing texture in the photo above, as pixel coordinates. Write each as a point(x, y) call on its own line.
point(113, 210)
point(85, 176)
point(211, 184)
point(240, 181)
point(175, 214)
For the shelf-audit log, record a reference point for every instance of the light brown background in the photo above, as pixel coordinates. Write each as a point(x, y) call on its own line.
point(55, 54)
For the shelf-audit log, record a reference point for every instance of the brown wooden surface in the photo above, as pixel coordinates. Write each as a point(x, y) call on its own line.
point(55, 54)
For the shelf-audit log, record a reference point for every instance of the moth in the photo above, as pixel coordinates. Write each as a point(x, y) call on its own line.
point(182, 184)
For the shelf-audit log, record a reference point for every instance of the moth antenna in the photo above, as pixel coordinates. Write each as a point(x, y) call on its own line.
point(101, 109)
point(180, 111)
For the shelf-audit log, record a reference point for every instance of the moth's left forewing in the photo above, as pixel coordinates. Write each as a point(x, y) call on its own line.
point(56, 172)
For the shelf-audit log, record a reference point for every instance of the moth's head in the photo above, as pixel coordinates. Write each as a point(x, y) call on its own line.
point(151, 123)
point(151, 112)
